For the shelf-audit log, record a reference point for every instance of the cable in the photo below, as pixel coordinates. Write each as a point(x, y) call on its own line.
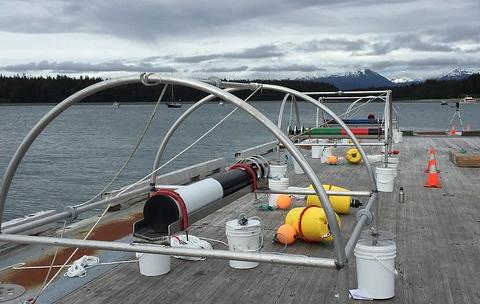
point(135, 148)
point(187, 148)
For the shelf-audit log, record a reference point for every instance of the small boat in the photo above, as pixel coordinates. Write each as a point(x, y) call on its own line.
point(468, 99)
point(220, 103)
point(444, 103)
point(174, 104)
point(115, 104)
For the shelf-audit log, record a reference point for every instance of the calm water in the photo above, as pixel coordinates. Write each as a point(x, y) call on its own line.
point(79, 153)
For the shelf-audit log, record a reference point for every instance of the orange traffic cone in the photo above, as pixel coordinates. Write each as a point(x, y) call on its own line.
point(433, 180)
point(452, 131)
point(431, 162)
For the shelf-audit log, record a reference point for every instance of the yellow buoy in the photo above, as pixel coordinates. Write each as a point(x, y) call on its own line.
point(353, 156)
point(340, 204)
point(310, 223)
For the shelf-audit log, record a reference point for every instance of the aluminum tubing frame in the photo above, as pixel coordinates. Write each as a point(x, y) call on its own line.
point(343, 275)
point(44, 122)
point(262, 119)
point(152, 79)
point(218, 254)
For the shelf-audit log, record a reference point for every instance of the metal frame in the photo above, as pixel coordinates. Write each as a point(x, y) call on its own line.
point(342, 249)
point(389, 112)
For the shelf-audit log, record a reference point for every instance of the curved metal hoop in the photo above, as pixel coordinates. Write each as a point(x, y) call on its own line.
point(217, 92)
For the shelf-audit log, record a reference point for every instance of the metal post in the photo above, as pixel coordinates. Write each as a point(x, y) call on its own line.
point(286, 259)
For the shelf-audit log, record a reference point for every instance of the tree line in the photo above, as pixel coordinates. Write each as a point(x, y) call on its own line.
point(24, 89)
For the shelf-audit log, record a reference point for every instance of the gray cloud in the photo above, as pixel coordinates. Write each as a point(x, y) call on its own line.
point(223, 69)
point(411, 42)
point(262, 51)
point(74, 67)
point(332, 44)
point(426, 64)
point(287, 68)
point(465, 33)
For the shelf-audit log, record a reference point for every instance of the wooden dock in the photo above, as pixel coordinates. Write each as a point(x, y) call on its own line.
point(437, 235)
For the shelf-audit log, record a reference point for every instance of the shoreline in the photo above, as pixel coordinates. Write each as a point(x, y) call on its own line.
point(103, 103)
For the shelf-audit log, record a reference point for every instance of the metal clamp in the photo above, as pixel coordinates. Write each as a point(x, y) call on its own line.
point(367, 213)
point(73, 212)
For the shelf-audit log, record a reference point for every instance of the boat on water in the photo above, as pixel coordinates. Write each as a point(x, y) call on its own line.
point(174, 104)
point(212, 200)
point(467, 100)
point(115, 104)
point(444, 103)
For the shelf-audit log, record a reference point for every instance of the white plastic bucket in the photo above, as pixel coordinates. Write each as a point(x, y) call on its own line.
point(246, 238)
point(296, 167)
point(153, 264)
point(393, 163)
point(397, 136)
point(317, 151)
point(327, 151)
point(276, 184)
point(385, 177)
point(376, 268)
point(278, 171)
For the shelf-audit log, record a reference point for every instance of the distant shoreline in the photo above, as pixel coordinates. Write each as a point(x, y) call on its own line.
point(102, 103)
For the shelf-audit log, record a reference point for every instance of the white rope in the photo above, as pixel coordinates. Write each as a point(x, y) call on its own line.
point(80, 266)
point(187, 148)
point(191, 241)
point(73, 253)
point(134, 150)
point(20, 266)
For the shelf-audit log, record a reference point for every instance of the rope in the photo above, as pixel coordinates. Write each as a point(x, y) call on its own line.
point(51, 264)
point(134, 150)
point(73, 253)
point(189, 241)
point(190, 146)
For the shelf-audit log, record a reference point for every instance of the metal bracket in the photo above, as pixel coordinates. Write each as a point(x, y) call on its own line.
point(367, 213)
point(73, 212)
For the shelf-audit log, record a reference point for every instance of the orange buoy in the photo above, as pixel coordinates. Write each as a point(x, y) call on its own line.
point(284, 201)
point(286, 234)
point(332, 160)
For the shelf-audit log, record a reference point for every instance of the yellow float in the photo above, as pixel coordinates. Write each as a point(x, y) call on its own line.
point(340, 204)
point(310, 223)
point(353, 156)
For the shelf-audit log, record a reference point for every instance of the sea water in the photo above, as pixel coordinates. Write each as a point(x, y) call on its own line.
point(82, 149)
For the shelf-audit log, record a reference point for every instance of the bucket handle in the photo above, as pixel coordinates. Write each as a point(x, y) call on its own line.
point(394, 271)
point(261, 231)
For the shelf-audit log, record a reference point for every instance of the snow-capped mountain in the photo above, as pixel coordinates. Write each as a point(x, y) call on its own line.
point(456, 74)
point(401, 80)
point(356, 80)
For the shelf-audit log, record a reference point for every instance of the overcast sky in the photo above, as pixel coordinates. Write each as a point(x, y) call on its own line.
point(239, 39)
